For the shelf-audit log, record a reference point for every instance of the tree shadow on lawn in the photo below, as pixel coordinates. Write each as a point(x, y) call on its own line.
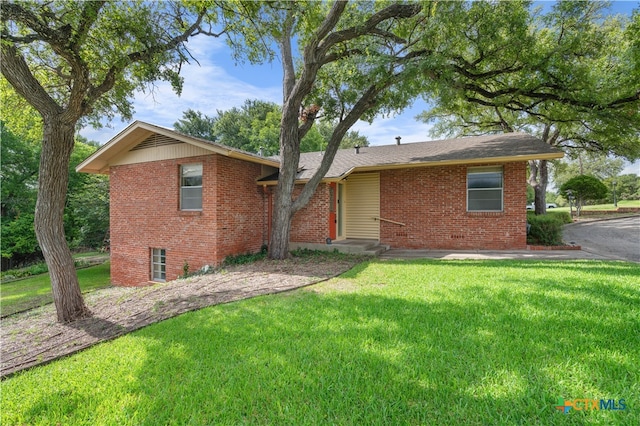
point(474, 357)
point(98, 327)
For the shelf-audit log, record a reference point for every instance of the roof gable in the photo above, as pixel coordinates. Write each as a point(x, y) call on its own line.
point(142, 142)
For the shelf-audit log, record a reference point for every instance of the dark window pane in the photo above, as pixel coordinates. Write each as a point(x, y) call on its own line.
point(485, 180)
point(192, 181)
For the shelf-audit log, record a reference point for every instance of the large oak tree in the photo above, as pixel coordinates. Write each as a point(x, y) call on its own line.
point(344, 62)
point(573, 79)
point(77, 63)
point(358, 60)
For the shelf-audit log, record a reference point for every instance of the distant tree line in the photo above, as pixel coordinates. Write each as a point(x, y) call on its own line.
point(86, 216)
point(255, 127)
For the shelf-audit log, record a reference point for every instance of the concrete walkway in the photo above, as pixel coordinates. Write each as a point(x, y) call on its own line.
point(607, 246)
point(490, 254)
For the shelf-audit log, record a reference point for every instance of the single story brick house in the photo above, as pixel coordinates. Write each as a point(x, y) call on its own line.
point(177, 200)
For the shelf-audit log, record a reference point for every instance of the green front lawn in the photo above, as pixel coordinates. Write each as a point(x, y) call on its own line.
point(87, 254)
point(621, 203)
point(419, 342)
point(35, 291)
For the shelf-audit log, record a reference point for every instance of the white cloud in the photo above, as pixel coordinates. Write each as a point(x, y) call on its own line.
point(218, 84)
point(631, 168)
point(208, 87)
point(383, 130)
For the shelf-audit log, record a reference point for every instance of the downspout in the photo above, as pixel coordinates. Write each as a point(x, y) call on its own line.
point(269, 194)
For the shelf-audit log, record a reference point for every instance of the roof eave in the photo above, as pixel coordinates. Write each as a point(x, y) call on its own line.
point(253, 159)
point(505, 159)
point(275, 182)
point(373, 168)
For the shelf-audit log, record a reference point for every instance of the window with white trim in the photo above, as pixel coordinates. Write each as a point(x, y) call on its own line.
point(484, 189)
point(191, 187)
point(158, 265)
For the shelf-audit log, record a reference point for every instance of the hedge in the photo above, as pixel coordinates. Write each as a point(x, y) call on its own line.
point(546, 229)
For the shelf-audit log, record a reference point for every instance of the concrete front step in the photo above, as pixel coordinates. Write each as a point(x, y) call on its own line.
point(351, 246)
point(377, 251)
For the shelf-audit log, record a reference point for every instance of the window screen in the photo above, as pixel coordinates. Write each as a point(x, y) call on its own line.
point(484, 189)
point(191, 187)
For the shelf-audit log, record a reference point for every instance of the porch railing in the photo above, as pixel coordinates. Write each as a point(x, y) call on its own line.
point(381, 219)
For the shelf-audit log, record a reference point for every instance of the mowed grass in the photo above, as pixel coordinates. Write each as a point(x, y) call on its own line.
point(416, 342)
point(610, 206)
point(35, 291)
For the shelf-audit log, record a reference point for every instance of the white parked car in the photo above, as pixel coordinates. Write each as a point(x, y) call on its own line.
point(532, 206)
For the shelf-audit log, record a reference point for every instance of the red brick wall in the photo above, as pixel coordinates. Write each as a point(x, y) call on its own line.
point(431, 201)
point(311, 223)
point(241, 222)
point(145, 214)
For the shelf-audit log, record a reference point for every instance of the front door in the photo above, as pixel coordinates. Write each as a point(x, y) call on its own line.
point(333, 217)
point(340, 211)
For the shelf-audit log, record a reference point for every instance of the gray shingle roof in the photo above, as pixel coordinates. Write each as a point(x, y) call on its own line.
point(469, 150)
point(475, 149)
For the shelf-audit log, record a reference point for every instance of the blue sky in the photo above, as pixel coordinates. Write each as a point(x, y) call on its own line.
point(218, 83)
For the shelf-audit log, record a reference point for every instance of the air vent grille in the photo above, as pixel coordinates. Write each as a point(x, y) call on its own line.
point(155, 141)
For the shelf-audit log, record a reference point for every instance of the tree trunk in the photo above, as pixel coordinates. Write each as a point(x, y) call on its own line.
point(57, 144)
point(283, 211)
point(539, 179)
point(296, 86)
point(280, 227)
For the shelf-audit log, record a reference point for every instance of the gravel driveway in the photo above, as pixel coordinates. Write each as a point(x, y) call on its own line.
point(613, 238)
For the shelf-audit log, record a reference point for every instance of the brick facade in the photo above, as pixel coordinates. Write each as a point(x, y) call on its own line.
point(145, 214)
point(431, 201)
point(311, 223)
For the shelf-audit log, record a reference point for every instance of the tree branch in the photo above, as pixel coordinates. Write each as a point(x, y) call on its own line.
point(15, 69)
point(88, 17)
point(289, 72)
point(110, 77)
point(366, 101)
point(369, 26)
point(329, 23)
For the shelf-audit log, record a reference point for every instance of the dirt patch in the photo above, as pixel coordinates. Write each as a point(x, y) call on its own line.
point(35, 337)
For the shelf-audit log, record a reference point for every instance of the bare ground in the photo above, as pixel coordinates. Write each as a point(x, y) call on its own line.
point(35, 337)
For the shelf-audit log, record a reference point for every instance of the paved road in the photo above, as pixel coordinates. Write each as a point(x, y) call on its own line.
point(614, 239)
